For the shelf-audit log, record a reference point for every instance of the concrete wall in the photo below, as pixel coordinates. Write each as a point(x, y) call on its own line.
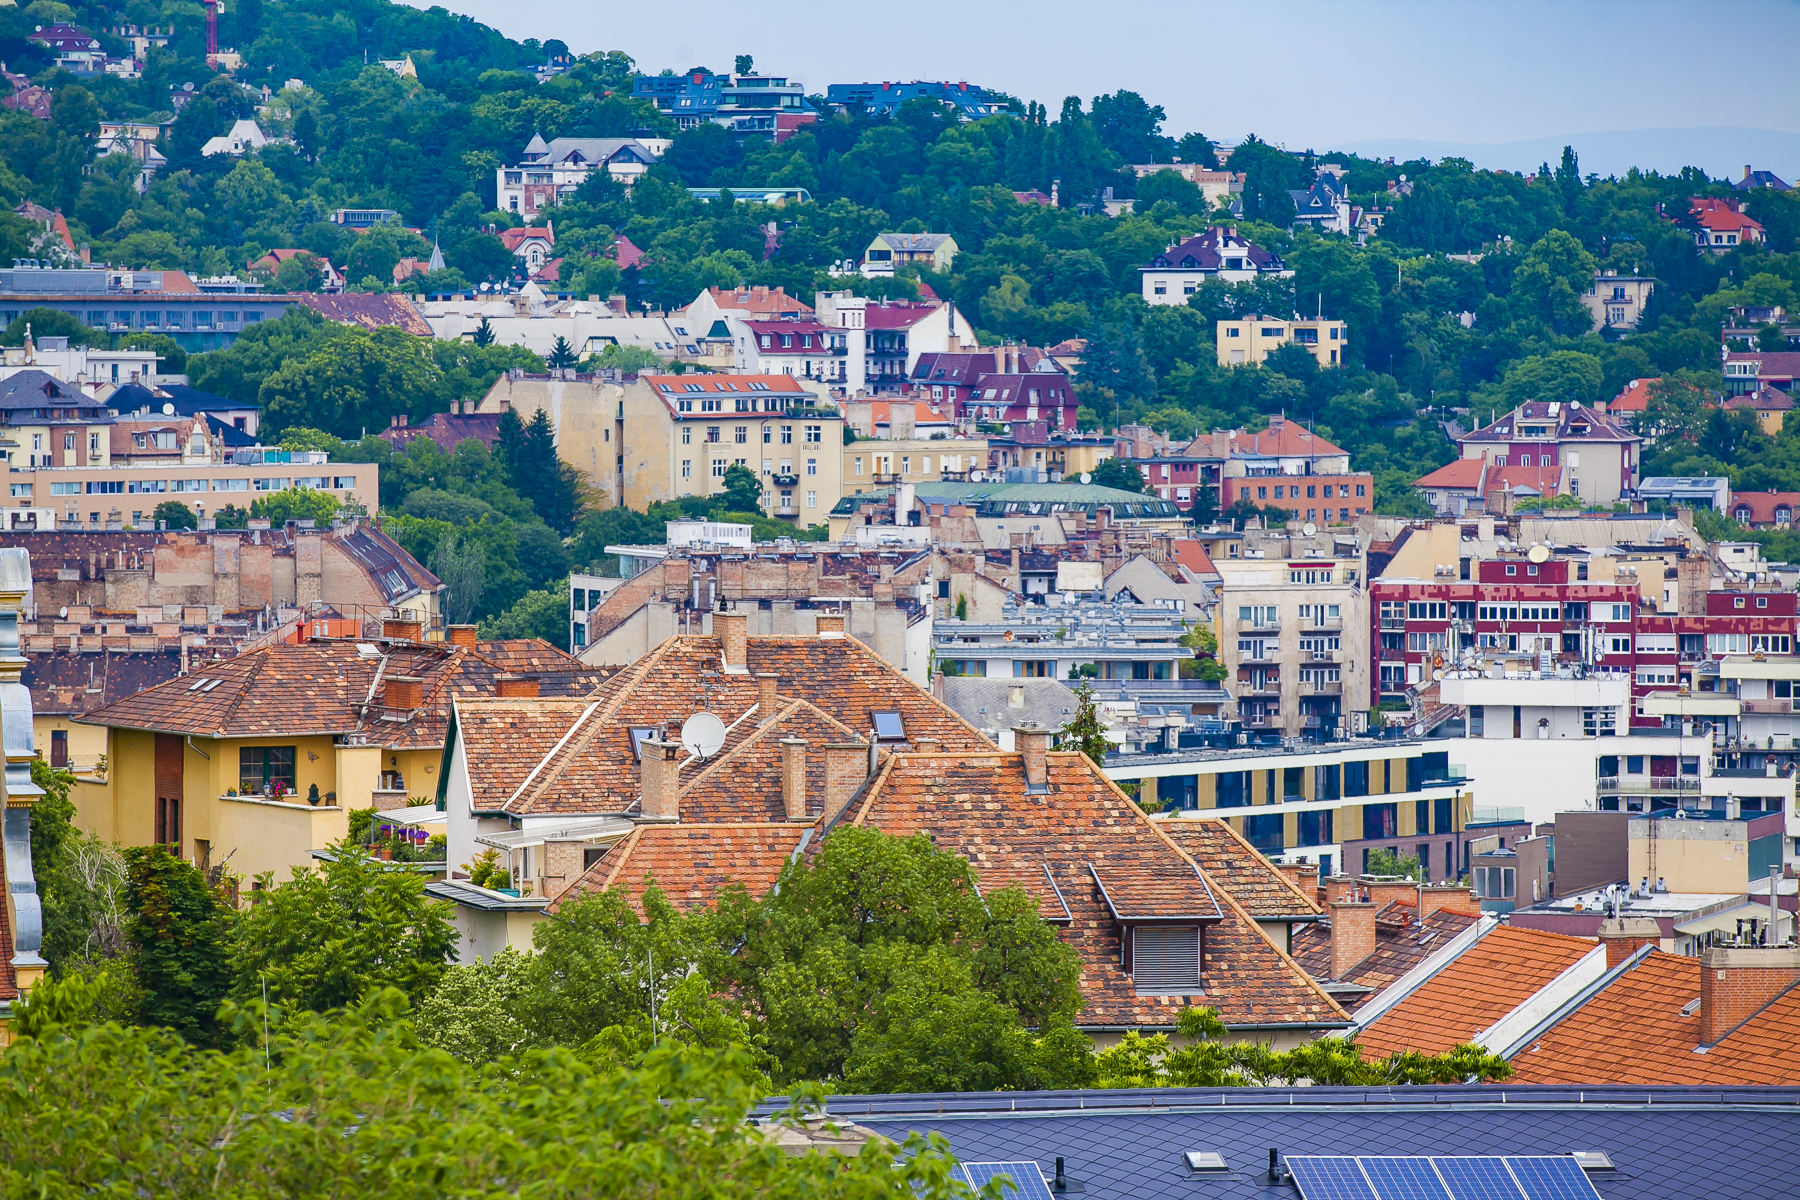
point(1591, 851)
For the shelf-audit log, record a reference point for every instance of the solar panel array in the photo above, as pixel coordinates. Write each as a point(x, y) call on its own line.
point(1026, 1181)
point(1341, 1177)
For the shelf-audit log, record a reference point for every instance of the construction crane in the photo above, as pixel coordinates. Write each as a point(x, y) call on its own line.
point(212, 27)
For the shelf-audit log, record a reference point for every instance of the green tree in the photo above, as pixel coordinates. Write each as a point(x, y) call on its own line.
point(296, 504)
point(472, 1013)
point(333, 937)
point(562, 355)
point(304, 272)
point(462, 567)
point(352, 383)
point(1084, 730)
point(743, 491)
point(1549, 281)
point(539, 614)
point(484, 334)
point(1205, 664)
point(179, 929)
point(52, 322)
point(1120, 473)
point(1392, 862)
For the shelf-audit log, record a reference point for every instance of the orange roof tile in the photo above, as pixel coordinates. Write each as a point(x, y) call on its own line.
point(1230, 861)
point(1483, 984)
point(1402, 942)
point(691, 864)
point(1464, 473)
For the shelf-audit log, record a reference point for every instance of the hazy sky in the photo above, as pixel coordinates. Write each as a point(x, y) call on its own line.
point(1305, 73)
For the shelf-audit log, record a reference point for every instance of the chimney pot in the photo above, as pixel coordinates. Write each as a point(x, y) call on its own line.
point(846, 767)
point(831, 625)
point(460, 635)
point(402, 692)
point(661, 777)
point(765, 697)
point(1034, 745)
point(516, 686)
point(1352, 934)
point(793, 778)
point(732, 629)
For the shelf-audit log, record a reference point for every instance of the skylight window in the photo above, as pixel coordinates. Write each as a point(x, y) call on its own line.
point(639, 735)
point(888, 726)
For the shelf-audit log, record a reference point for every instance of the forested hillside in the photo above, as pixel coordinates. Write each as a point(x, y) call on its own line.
point(1429, 334)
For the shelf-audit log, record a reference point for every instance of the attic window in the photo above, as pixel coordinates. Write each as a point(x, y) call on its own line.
point(888, 726)
point(196, 685)
point(1166, 958)
point(639, 735)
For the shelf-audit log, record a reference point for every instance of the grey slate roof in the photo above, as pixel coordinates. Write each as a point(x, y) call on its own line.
point(1127, 1145)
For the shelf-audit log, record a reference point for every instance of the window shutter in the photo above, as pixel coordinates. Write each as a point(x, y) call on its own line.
point(1165, 958)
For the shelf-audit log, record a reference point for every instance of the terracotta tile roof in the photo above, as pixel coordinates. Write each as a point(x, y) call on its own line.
point(1487, 981)
point(692, 864)
point(596, 772)
point(1635, 398)
point(330, 687)
point(1234, 864)
point(71, 684)
point(1758, 508)
point(369, 310)
point(1402, 942)
point(1463, 474)
point(1723, 216)
point(1653, 1006)
point(1545, 481)
point(1054, 845)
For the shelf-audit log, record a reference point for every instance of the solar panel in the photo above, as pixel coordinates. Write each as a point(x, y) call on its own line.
point(1329, 1178)
point(1404, 1178)
point(1478, 1178)
point(1026, 1181)
point(1552, 1179)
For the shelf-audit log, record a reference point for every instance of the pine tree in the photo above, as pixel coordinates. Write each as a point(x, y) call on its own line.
point(562, 355)
point(484, 334)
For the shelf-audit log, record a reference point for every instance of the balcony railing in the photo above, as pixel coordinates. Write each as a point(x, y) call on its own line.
point(1651, 785)
point(1321, 687)
point(1769, 705)
point(1393, 624)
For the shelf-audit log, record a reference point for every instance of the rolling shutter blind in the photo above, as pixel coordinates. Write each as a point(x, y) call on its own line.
point(1165, 958)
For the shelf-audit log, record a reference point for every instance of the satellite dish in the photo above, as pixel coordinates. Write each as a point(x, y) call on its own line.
point(1538, 553)
point(168, 409)
point(1309, 529)
point(1438, 675)
point(1086, 478)
point(702, 734)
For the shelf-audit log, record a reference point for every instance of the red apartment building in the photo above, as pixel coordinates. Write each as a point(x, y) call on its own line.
point(1519, 608)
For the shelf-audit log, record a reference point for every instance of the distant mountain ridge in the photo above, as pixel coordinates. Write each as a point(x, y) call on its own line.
point(1718, 150)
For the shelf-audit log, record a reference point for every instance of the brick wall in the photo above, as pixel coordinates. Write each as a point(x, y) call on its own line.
point(1735, 983)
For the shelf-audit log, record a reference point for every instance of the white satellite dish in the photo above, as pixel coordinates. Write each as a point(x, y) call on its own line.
point(1309, 529)
point(1538, 553)
point(168, 409)
point(702, 734)
point(1086, 477)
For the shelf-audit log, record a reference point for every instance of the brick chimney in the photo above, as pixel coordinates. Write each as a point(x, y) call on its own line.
point(1340, 887)
point(732, 629)
point(1352, 934)
point(1034, 744)
point(1623, 935)
point(660, 772)
point(516, 687)
point(766, 702)
point(1304, 876)
point(1380, 894)
point(831, 625)
point(460, 635)
point(400, 629)
point(846, 767)
point(793, 778)
point(1451, 897)
point(402, 691)
point(1736, 981)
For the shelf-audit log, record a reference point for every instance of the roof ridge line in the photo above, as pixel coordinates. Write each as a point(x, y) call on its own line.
point(719, 763)
point(1576, 1002)
point(1292, 964)
point(1438, 961)
point(560, 743)
point(1243, 841)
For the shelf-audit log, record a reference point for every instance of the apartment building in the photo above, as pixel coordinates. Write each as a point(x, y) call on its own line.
point(773, 105)
point(648, 438)
point(1250, 340)
point(1303, 803)
point(167, 302)
point(877, 462)
point(45, 421)
point(1133, 645)
point(1599, 452)
point(1617, 301)
point(1293, 631)
point(549, 172)
point(895, 334)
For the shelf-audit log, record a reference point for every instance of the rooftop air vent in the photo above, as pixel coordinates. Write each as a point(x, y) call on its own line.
point(1204, 1160)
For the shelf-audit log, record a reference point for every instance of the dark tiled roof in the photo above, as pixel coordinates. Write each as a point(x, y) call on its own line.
point(370, 310)
point(1570, 421)
point(32, 388)
point(1402, 942)
point(1127, 1145)
point(62, 683)
point(1233, 863)
point(447, 430)
point(1084, 850)
point(595, 770)
point(325, 687)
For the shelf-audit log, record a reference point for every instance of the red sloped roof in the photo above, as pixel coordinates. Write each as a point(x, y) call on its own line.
point(1635, 397)
point(1464, 473)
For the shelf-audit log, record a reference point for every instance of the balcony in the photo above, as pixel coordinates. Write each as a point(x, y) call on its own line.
point(1394, 624)
point(1769, 706)
point(785, 479)
point(1320, 656)
point(1650, 785)
point(1267, 686)
point(1248, 628)
point(1321, 687)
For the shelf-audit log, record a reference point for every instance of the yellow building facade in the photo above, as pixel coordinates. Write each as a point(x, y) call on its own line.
point(1249, 340)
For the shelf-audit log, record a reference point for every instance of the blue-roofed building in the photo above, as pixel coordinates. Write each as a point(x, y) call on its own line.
point(969, 102)
point(1627, 1143)
point(749, 103)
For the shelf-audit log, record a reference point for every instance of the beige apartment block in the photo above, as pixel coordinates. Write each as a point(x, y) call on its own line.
point(1293, 628)
point(876, 462)
point(100, 496)
point(662, 437)
point(1249, 340)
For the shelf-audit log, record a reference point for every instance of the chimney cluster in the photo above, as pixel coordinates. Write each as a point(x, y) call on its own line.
point(793, 778)
point(766, 702)
point(1623, 935)
point(460, 635)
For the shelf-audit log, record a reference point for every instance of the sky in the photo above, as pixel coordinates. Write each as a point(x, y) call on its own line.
point(1655, 82)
